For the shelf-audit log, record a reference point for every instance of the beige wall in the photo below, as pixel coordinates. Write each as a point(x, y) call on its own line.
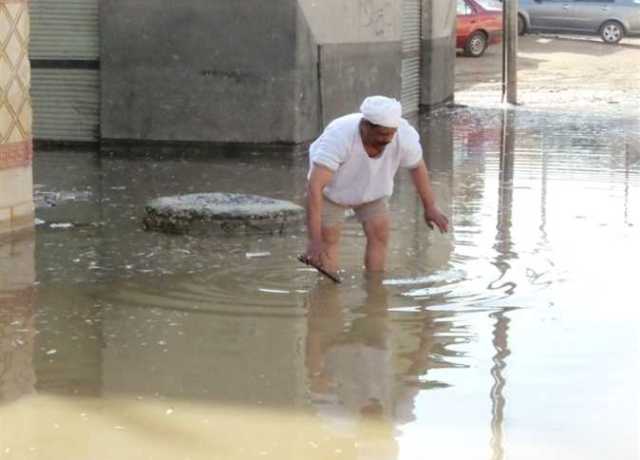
point(16, 203)
point(353, 21)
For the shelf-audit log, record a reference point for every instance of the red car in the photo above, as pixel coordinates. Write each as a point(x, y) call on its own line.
point(479, 25)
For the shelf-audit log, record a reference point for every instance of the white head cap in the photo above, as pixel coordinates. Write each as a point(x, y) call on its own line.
point(383, 111)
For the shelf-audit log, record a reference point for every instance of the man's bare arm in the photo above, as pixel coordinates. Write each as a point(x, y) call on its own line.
point(318, 180)
point(432, 214)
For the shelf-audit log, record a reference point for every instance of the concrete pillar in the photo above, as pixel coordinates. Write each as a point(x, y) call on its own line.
point(438, 52)
point(359, 51)
point(510, 52)
point(16, 201)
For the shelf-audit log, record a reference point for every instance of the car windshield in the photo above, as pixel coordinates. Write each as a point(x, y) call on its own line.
point(492, 5)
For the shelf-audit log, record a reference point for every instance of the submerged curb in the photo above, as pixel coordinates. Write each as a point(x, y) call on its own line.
point(206, 213)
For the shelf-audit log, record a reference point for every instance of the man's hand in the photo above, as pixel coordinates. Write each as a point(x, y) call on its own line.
point(433, 215)
point(316, 253)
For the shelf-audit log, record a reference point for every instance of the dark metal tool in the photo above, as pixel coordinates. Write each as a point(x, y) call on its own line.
point(332, 276)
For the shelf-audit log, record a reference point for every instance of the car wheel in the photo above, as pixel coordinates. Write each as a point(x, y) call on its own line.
point(476, 44)
point(522, 26)
point(612, 32)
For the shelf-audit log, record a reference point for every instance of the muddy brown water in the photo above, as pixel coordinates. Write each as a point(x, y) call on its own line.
point(514, 336)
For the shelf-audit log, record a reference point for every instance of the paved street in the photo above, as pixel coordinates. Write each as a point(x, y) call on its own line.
point(559, 72)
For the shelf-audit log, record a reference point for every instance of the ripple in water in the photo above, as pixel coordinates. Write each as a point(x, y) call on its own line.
point(267, 286)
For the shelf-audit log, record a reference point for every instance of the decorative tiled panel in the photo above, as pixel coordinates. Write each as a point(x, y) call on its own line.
point(16, 154)
point(15, 73)
point(16, 150)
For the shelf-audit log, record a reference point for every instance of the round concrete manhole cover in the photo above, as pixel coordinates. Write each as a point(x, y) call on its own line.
point(203, 213)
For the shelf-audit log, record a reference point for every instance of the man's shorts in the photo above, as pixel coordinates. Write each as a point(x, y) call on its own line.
point(335, 214)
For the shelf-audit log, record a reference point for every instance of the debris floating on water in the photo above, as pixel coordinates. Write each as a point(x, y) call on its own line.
point(274, 291)
point(251, 255)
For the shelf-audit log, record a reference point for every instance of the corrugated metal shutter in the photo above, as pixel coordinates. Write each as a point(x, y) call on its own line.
point(64, 29)
point(64, 52)
point(66, 104)
point(411, 36)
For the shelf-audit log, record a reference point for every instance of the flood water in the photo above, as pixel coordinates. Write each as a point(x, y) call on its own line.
point(515, 336)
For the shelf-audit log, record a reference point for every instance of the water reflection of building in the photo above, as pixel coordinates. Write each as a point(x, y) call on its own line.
point(17, 329)
point(146, 340)
point(174, 338)
point(70, 342)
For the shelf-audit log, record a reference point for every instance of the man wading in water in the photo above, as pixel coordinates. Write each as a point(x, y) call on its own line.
point(352, 165)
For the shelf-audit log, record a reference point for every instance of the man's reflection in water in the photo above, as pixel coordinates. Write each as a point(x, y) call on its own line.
point(349, 361)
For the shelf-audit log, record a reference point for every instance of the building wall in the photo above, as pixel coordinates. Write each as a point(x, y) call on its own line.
point(16, 203)
point(210, 71)
point(438, 52)
point(257, 72)
point(359, 50)
point(206, 344)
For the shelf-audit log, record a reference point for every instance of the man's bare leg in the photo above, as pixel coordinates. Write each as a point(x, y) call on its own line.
point(377, 231)
point(331, 240)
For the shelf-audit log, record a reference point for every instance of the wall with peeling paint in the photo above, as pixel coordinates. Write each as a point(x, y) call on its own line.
point(250, 72)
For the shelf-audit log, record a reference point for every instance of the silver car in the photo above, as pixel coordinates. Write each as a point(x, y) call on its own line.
point(611, 19)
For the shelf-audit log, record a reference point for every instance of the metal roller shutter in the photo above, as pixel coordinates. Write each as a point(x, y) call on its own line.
point(411, 35)
point(64, 52)
point(65, 104)
point(64, 29)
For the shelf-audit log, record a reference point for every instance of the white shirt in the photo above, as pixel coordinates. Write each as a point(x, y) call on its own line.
point(358, 178)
